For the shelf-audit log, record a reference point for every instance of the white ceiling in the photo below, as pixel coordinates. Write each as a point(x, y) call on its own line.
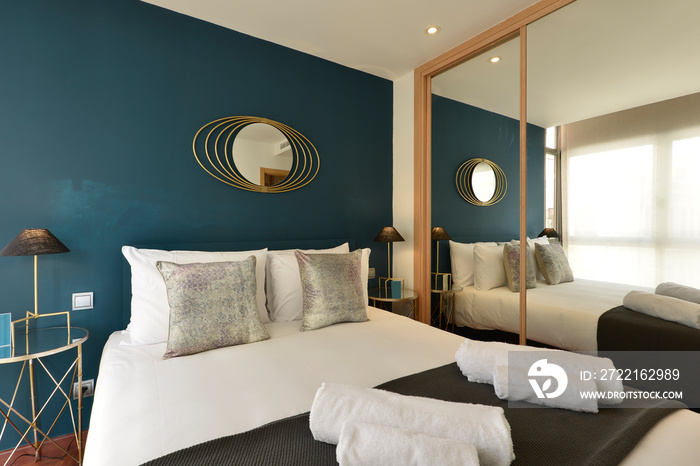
point(590, 58)
point(386, 38)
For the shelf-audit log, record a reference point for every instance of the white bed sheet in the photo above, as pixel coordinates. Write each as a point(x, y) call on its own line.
point(146, 407)
point(564, 315)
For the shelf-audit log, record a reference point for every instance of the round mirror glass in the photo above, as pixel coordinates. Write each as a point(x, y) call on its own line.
point(483, 182)
point(262, 154)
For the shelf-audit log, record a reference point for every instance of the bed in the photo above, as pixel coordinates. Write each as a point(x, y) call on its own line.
point(146, 407)
point(564, 315)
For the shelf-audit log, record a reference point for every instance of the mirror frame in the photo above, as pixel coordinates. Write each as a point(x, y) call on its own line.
point(464, 179)
point(216, 157)
point(511, 27)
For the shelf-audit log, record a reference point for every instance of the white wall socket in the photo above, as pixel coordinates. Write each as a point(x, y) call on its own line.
point(372, 273)
point(88, 388)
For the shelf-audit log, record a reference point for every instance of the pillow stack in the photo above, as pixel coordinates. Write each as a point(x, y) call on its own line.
point(196, 301)
point(492, 265)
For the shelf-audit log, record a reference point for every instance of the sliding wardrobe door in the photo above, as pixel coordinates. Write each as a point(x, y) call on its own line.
point(475, 143)
point(626, 97)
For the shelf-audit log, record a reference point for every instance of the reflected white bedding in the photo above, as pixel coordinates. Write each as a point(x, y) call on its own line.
point(563, 315)
point(146, 407)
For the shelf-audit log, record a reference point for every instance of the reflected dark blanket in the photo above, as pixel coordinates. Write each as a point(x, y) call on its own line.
point(541, 436)
point(621, 329)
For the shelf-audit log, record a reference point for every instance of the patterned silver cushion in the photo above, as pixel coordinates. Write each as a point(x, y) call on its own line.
point(331, 289)
point(553, 263)
point(212, 305)
point(511, 259)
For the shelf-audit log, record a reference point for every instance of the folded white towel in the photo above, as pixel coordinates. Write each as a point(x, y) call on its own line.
point(664, 307)
point(371, 445)
point(686, 293)
point(478, 361)
point(483, 426)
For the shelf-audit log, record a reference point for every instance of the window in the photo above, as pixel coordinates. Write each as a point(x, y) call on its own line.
point(551, 179)
point(631, 195)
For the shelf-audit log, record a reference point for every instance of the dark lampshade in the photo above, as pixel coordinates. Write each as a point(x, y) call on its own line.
point(388, 235)
point(549, 233)
point(439, 233)
point(34, 242)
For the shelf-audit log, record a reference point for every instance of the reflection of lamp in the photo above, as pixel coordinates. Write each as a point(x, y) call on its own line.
point(35, 242)
point(439, 234)
point(389, 235)
point(550, 233)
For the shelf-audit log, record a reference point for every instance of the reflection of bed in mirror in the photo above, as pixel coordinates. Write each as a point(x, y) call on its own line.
point(564, 315)
point(573, 314)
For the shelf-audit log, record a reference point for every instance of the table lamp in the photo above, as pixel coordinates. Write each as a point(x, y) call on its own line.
point(439, 234)
point(389, 235)
point(550, 233)
point(35, 242)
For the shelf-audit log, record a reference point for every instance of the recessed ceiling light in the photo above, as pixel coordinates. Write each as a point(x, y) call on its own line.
point(432, 30)
point(495, 59)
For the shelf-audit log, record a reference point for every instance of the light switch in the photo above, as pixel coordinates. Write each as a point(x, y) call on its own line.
point(82, 301)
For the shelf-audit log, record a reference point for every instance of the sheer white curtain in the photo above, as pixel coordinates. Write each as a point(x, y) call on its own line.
point(631, 194)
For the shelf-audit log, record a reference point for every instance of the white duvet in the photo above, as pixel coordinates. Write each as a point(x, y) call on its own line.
point(564, 315)
point(146, 407)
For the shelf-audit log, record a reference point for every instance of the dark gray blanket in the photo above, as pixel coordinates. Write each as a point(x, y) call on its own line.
point(621, 329)
point(540, 436)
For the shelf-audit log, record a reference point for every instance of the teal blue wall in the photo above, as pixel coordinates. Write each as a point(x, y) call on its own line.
point(99, 102)
point(461, 132)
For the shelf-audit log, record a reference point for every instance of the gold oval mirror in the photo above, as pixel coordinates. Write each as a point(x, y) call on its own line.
point(481, 182)
point(256, 154)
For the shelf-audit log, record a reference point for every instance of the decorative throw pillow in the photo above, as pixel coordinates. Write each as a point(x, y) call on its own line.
point(332, 289)
point(553, 263)
point(511, 260)
point(149, 300)
point(283, 285)
point(212, 305)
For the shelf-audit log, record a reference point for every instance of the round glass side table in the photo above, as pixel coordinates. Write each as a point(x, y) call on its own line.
point(29, 348)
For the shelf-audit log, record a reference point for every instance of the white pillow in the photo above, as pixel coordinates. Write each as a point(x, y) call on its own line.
point(462, 260)
point(539, 240)
point(283, 282)
point(150, 311)
point(489, 270)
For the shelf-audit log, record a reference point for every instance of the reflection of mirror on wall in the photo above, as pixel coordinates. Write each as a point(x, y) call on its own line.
point(475, 113)
point(481, 182)
point(262, 154)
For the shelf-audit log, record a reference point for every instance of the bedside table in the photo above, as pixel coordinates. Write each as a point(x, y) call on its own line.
point(445, 307)
point(379, 299)
point(31, 347)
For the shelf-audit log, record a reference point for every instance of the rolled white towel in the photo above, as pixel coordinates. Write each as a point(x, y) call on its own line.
point(483, 426)
point(674, 290)
point(513, 384)
point(478, 361)
point(370, 445)
point(664, 307)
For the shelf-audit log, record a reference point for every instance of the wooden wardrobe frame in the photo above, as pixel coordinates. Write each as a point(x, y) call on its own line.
point(512, 27)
